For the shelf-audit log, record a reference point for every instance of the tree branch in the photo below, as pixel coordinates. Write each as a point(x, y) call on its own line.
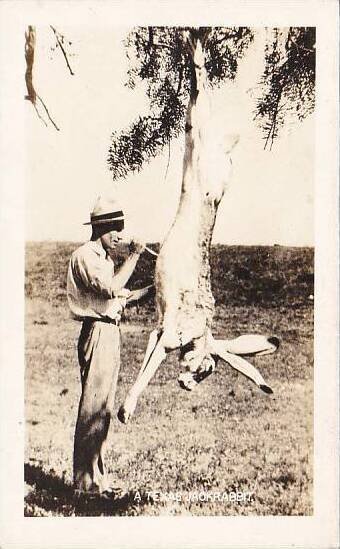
point(39, 115)
point(48, 114)
point(57, 35)
point(161, 45)
point(180, 79)
point(29, 56)
point(31, 93)
point(220, 40)
point(167, 166)
point(299, 46)
point(271, 133)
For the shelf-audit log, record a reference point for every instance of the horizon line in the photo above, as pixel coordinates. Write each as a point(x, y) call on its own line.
point(275, 245)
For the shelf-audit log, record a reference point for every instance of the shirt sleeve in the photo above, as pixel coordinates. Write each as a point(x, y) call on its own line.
point(94, 273)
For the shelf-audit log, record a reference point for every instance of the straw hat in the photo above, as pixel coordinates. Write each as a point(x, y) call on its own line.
point(106, 210)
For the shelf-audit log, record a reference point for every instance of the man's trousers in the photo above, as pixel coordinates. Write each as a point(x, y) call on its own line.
point(99, 360)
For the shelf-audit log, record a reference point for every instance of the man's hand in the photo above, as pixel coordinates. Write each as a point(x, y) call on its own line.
point(136, 246)
point(141, 294)
point(124, 292)
point(123, 296)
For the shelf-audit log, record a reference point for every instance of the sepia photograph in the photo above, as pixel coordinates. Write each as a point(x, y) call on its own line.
point(170, 269)
point(194, 333)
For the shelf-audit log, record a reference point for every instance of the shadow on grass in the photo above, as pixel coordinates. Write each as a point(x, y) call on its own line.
point(51, 495)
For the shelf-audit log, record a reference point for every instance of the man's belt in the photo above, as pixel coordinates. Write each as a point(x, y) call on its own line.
point(106, 319)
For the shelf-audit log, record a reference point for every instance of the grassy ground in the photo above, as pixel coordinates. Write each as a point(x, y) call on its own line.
point(226, 436)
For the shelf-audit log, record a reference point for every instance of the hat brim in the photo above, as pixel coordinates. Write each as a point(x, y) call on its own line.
point(104, 221)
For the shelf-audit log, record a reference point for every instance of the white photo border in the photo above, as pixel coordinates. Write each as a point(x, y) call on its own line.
point(319, 530)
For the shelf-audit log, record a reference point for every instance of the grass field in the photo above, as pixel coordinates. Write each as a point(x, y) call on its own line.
point(226, 436)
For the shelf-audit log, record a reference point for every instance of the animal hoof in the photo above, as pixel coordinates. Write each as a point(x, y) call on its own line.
point(122, 415)
point(266, 389)
point(273, 340)
point(186, 381)
point(126, 410)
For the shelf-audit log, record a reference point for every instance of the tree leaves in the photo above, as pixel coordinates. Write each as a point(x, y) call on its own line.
point(224, 48)
point(288, 80)
point(159, 57)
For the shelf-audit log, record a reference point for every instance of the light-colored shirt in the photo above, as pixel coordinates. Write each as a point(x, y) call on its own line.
point(90, 290)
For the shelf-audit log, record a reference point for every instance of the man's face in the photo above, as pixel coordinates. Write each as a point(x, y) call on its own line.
point(111, 235)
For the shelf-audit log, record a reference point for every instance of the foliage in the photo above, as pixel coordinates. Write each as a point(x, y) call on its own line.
point(159, 57)
point(288, 80)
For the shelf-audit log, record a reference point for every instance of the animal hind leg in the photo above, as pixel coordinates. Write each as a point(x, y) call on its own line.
point(155, 354)
point(153, 340)
point(241, 365)
point(251, 344)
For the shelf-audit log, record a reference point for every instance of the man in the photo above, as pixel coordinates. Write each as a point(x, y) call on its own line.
point(97, 296)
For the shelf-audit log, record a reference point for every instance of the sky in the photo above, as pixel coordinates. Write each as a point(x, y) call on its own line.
point(269, 199)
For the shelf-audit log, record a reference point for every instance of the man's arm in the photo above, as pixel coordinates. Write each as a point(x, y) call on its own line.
point(98, 277)
point(121, 277)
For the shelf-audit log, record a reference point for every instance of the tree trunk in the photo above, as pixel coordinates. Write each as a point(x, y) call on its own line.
point(29, 56)
point(32, 95)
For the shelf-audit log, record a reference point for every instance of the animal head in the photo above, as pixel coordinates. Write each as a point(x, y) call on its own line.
point(216, 165)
